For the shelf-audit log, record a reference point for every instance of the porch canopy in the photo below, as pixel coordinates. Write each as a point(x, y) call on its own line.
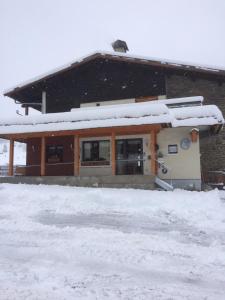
point(132, 118)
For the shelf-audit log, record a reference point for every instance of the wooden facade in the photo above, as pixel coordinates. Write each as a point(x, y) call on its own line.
point(38, 143)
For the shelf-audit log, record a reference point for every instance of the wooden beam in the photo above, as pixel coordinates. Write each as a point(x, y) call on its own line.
point(76, 149)
point(113, 153)
point(92, 132)
point(153, 138)
point(43, 164)
point(11, 157)
point(146, 99)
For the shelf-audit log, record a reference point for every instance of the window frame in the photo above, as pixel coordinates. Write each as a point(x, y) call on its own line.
point(60, 156)
point(97, 162)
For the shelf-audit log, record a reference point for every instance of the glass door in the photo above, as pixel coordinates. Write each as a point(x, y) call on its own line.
point(129, 157)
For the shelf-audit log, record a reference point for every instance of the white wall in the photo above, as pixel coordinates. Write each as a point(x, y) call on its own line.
point(111, 102)
point(114, 102)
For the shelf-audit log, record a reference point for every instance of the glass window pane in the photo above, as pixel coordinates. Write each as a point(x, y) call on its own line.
point(86, 151)
point(95, 151)
point(54, 154)
point(104, 150)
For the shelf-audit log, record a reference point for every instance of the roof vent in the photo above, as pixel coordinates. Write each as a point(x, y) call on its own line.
point(120, 46)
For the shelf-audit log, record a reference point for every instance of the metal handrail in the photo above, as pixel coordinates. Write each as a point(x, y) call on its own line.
point(138, 159)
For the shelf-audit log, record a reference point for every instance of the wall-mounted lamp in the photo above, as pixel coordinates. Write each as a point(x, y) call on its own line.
point(194, 135)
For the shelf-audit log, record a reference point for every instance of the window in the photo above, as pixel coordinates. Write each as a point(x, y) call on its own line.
point(54, 154)
point(96, 153)
point(172, 149)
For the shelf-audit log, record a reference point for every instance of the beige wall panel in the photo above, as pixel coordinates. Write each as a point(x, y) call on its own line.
point(183, 165)
point(186, 163)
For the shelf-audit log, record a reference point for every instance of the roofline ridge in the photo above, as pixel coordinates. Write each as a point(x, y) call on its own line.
point(164, 62)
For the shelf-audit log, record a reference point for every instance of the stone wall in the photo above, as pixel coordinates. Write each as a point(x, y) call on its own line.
point(212, 148)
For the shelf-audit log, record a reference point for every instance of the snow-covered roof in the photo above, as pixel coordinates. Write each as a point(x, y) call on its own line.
point(188, 101)
point(121, 56)
point(112, 116)
point(196, 116)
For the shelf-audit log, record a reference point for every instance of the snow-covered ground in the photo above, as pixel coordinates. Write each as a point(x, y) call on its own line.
point(19, 153)
point(84, 243)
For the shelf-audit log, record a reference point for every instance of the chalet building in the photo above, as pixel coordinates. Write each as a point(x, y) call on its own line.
point(111, 114)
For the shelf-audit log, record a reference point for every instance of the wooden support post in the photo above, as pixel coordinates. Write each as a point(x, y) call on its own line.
point(153, 165)
point(113, 153)
point(26, 110)
point(43, 167)
point(11, 157)
point(43, 103)
point(76, 149)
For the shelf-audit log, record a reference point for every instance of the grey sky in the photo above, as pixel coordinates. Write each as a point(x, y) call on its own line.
point(38, 35)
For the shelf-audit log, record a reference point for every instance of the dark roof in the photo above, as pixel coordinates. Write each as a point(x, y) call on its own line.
point(167, 64)
point(57, 79)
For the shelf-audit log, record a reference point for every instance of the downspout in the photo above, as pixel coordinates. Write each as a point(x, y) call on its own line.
point(43, 102)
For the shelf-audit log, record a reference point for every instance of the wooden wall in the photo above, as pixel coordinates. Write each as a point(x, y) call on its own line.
point(34, 157)
point(99, 80)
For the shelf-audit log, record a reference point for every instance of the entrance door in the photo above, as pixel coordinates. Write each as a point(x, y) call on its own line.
point(129, 154)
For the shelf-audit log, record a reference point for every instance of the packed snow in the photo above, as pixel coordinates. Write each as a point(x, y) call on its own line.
point(84, 243)
point(114, 115)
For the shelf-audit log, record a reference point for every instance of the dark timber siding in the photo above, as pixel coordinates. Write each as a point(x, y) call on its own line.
point(212, 147)
point(103, 81)
point(34, 157)
point(98, 80)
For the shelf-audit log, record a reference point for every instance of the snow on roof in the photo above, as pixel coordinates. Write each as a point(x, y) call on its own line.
point(91, 117)
point(185, 100)
point(114, 115)
point(175, 63)
point(196, 116)
point(118, 111)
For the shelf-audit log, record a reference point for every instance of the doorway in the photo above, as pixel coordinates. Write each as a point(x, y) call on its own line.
point(129, 157)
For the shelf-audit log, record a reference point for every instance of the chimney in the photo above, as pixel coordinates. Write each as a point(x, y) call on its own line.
point(120, 46)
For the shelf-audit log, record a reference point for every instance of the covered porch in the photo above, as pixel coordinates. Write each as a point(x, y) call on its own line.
point(128, 150)
point(135, 139)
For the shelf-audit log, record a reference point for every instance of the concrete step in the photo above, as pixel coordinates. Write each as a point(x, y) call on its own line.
point(119, 181)
point(163, 184)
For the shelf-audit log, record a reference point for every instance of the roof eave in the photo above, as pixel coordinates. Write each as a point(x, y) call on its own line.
point(51, 74)
point(119, 57)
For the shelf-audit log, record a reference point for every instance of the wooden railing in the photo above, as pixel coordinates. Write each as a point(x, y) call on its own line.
point(215, 179)
point(4, 170)
point(17, 170)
